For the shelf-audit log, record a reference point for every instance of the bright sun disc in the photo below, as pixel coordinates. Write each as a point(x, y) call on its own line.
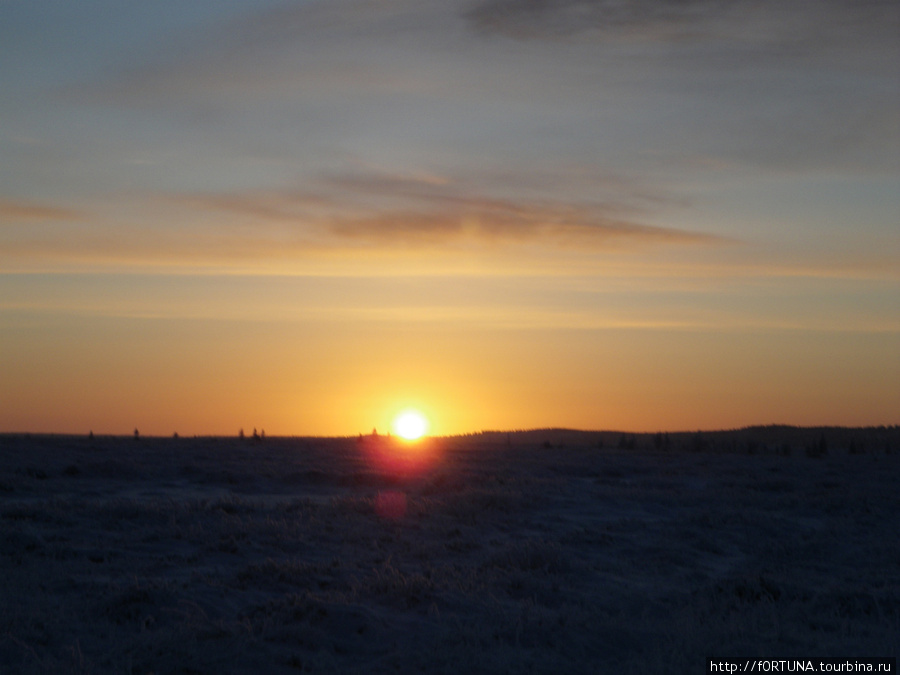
point(410, 425)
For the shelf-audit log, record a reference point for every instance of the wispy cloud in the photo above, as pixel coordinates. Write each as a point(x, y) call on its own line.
point(263, 206)
point(504, 222)
point(804, 85)
point(493, 141)
point(13, 212)
point(766, 23)
point(425, 210)
point(559, 18)
point(356, 220)
point(270, 51)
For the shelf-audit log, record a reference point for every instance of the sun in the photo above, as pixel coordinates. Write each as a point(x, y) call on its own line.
point(410, 425)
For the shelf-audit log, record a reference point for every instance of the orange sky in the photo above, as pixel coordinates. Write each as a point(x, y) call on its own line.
point(307, 217)
point(78, 370)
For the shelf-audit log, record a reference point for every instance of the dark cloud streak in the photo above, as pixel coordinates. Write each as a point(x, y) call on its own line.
point(795, 28)
point(391, 210)
point(553, 225)
point(31, 212)
point(559, 18)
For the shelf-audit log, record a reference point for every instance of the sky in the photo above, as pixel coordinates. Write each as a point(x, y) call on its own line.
point(308, 216)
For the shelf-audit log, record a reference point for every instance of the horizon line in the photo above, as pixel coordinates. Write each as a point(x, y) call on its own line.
point(483, 432)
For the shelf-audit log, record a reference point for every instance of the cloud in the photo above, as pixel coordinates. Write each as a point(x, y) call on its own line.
point(763, 22)
point(347, 47)
point(438, 209)
point(262, 206)
point(547, 225)
point(558, 18)
point(494, 221)
point(562, 183)
point(808, 85)
point(30, 212)
point(383, 209)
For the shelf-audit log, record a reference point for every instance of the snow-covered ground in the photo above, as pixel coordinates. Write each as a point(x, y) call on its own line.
point(488, 553)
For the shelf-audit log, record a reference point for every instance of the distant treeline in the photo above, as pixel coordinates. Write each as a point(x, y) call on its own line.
point(776, 439)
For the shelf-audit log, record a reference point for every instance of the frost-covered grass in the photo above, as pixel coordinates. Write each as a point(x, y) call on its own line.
point(483, 554)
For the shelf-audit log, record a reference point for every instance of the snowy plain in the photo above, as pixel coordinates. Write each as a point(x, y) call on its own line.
point(533, 552)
